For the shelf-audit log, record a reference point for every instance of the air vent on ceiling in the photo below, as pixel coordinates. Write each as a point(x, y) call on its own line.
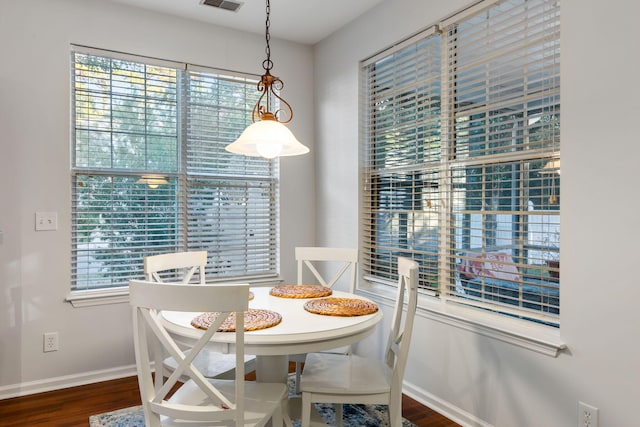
point(223, 4)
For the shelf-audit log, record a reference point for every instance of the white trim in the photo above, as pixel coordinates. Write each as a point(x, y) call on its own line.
point(120, 295)
point(427, 32)
point(57, 383)
point(442, 407)
point(224, 74)
point(531, 336)
point(466, 12)
point(98, 297)
point(87, 50)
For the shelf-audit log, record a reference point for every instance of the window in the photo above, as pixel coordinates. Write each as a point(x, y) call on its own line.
point(150, 173)
point(461, 152)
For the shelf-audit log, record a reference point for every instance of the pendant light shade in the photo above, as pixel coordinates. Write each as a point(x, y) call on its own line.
point(268, 136)
point(552, 166)
point(269, 139)
point(152, 181)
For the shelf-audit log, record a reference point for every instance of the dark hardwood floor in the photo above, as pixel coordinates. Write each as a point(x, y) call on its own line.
point(72, 406)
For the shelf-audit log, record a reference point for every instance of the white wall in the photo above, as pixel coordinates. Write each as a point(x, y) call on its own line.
point(95, 342)
point(465, 374)
point(477, 379)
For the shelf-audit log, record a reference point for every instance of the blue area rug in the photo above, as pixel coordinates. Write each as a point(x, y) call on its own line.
point(354, 416)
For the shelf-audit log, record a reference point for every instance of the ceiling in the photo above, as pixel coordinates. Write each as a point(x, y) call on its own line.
point(302, 21)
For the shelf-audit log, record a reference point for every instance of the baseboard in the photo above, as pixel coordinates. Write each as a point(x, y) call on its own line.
point(443, 407)
point(57, 383)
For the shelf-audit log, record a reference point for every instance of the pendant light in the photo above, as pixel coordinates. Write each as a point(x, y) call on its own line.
point(152, 180)
point(268, 136)
point(551, 168)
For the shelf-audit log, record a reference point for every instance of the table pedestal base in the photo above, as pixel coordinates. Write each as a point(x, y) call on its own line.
point(272, 369)
point(275, 369)
point(295, 412)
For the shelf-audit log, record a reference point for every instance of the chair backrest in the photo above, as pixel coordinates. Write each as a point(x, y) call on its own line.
point(189, 262)
point(346, 260)
point(397, 349)
point(147, 300)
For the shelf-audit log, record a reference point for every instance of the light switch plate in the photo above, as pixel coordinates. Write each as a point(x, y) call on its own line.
point(46, 221)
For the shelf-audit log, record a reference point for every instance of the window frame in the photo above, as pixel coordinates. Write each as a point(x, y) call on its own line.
point(196, 176)
point(437, 302)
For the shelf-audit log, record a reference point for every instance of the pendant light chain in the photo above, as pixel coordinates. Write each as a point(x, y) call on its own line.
point(267, 64)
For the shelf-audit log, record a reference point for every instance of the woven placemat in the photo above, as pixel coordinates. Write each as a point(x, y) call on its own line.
point(340, 306)
point(254, 319)
point(300, 291)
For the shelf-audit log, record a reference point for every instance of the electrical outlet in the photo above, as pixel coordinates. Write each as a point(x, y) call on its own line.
point(587, 415)
point(50, 342)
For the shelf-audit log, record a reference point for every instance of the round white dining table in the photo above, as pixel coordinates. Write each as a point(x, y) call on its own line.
point(299, 332)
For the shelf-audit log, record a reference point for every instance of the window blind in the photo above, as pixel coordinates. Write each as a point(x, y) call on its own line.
point(230, 198)
point(461, 155)
point(400, 206)
point(505, 101)
point(137, 117)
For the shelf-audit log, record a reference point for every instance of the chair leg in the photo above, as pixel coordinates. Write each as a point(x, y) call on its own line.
point(305, 416)
point(286, 417)
point(159, 366)
point(152, 419)
point(339, 415)
point(298, 373)
point(276, 418)
point(395, 414)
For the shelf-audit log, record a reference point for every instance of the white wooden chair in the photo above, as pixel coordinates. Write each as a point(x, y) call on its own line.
point(338, 379)
point(182, 266)
point(175, 265)
point(314, 259)
point(326, 267)
point(199, 401)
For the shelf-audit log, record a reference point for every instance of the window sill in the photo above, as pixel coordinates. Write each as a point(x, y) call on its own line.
point(539, 338)
point(98, 297)
point(120, 295)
